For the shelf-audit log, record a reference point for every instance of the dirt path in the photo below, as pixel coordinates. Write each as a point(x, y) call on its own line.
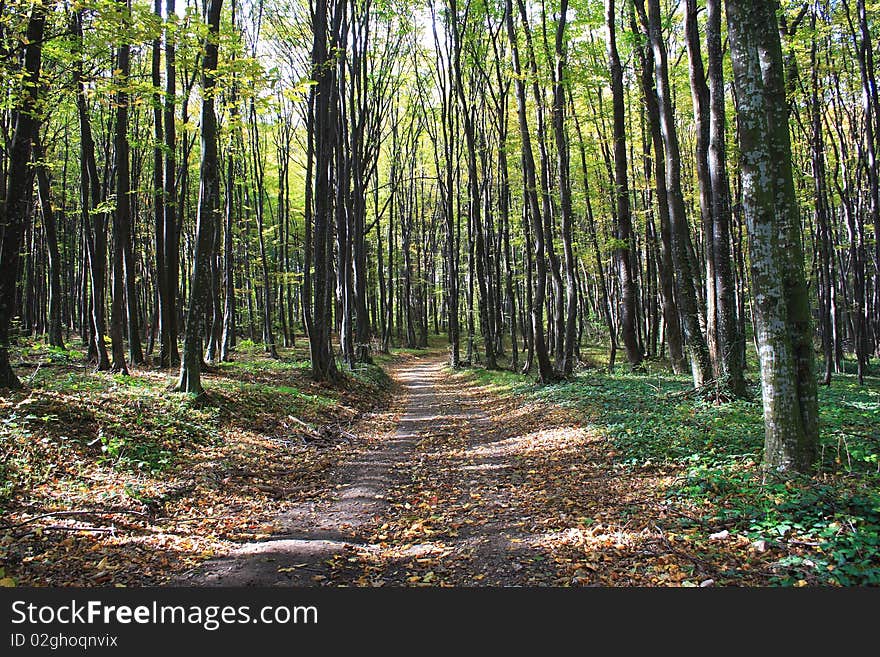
point(314, 532)
point(471, 489)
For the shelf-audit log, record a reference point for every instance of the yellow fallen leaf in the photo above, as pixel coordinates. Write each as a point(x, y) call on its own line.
point(7, 582)
point(292, 568)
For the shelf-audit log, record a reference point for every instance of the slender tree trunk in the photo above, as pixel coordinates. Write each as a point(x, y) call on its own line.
point(700, 99)
point(323, 363)
point(474, 215)
point(308, 216)
point(624, 236)
point(556, 301)
point(389, 308)
point(504, 210)
point(870, 106)
point(817, 151)
point(169, 354)
point(159, 188)
point(209, 208)
point(50, 225)
point(681, 242)
point(90, 199)
point(122, 215)
point(538, 342)
point(227, 340)
point(562, 153)
point(730, 334)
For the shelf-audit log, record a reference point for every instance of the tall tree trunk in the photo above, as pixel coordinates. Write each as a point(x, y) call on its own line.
point(209, 208)
point(324, 127)
point(697, 350)
point(700, 99)
point(380, 269)
point(19, 179)
point(624, 236)
point(50, 225)
point(159, 187)
point(538, 341)
point(308, 216)
point(90, 199)
point(509, 264)
point(122, 215)
point(389, 308)
point(825, 280)
point(169, 354)
point(259, 193)
point(730, 335)
point(781, 302)
point(556, 302)
point(227, 340)
point(474, 203)
point(870, 107)
point(563, 158)
point(666, 267)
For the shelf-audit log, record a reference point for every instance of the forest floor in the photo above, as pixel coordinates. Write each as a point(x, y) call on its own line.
point(115, 480)
point(489, 480)
point(431, 477)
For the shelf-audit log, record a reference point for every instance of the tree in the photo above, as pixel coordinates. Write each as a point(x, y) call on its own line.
point(624, 235)
point(727, 325)
point(122, 212)
point(93, 218)
point(474, 196)
point(19, 177)
point(666, 260)
point(682, 249)
point(323, 129)
point(50, 225)
point(209, 209)
point(546, 373)
point(781, 303)
point(168, 277)
point(563, 158)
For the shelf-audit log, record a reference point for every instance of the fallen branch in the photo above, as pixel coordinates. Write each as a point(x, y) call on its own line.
point(73, 513)
point(93, 530)
point(302, 424)
point(707, 566)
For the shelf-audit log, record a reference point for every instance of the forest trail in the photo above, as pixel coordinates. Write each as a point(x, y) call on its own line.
point(429, 504)
point(314, 531)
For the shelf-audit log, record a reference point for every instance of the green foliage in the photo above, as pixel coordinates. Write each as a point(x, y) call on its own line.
point(51, 354)
point(248, 346)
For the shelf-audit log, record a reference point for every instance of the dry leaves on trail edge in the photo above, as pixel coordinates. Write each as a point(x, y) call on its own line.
point(226, 489)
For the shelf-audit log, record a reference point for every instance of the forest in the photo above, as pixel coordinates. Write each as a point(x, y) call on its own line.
point(503, 292)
